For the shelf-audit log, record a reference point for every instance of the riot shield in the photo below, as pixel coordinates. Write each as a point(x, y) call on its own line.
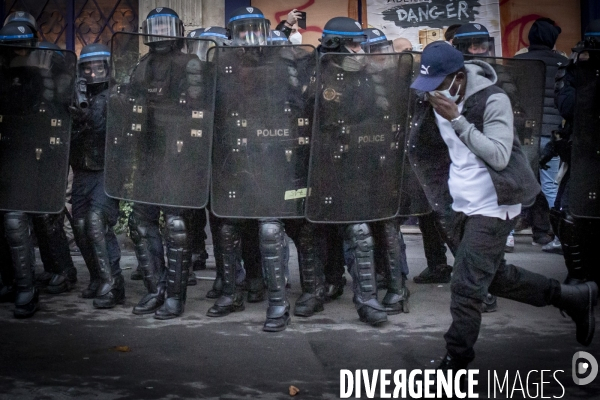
point(584, 191)
point(36, 88)
point(524, 81)
point(413, 201)
point(159, 123)
point(357, 154)
point(263, 127)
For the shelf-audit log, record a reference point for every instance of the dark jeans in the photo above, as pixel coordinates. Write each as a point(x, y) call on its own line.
point(480, 268)
point(87, 195)
point(435, 249)
point(538, 216)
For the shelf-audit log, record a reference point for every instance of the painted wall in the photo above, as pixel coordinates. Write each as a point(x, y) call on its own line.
point(517, 16)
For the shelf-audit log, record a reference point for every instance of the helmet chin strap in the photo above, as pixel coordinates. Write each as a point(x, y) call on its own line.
point(162, 47)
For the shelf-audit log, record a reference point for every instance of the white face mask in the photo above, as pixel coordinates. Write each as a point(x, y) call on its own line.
point(296, 38)
point(446, 93)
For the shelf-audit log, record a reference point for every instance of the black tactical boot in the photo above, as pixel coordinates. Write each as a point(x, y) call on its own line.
point(55, 252)
point(110, 293)
point(112, 289)
point(396, 298)
point(19, 239)
point(256, 290)
point(334, 290)
point(179, 260)
point(364, 281)
point(311, 255)
point(62, 282)
point(439, 274)
point(137, 275)
point(231, 299)
point(217, 287)
point(271, 237)
point(88, 256)
point(156, 285)
point(578, 302)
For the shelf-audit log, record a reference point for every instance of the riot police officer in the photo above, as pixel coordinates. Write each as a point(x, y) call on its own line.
point(36, 83)
point(345, 35)
point(248, 253)
point(249, 28)
point(94, 213)
point(157, 79)
point(575, 212)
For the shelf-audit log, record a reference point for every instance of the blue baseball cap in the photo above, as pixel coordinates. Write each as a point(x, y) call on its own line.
point(438, 60)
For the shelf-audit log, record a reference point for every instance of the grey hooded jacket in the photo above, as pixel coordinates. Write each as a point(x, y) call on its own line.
point(487, 130)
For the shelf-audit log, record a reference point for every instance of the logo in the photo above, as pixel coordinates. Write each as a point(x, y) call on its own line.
point(581, 368)
point(358, 24)
point(250, 9)
point(20, 14)
point(277, 33)
point(207, 29)
point(159, 9)
point(425, 69)
point(477, 26)
point(376, 32)
point(21, 29)
point(193, 34)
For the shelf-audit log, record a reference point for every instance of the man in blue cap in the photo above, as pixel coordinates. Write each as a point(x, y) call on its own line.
point(476, 179)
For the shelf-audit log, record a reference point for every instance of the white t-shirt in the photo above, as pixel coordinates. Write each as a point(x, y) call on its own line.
point(470, 183)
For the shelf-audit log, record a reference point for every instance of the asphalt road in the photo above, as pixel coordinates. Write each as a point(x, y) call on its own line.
point(70, 350)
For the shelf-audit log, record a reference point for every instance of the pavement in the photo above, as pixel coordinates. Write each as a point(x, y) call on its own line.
point(70, 350)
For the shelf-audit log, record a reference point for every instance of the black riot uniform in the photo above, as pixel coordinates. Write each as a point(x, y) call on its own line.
point(94, 213)
point(157, 81)
point(344, 35)
point(248, 27)
point(575, 213)
point(32, 76)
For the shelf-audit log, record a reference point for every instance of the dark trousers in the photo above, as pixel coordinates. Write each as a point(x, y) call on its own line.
point(87, 195)
point(480, 268)
point(435, 249)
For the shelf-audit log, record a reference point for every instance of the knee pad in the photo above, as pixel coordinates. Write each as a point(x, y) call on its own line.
point(50, 224)
point(360, 236)
point(138, 227)
point(271, 231)
point(176, 231)
point(16, 226)
point(95, 225)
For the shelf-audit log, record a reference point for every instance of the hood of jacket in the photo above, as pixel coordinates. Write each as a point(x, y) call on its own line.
point(479, 76)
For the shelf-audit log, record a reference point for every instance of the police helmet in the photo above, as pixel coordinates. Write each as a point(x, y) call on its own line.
point(474, 39)
point(377, 42)
point(17, 34)
point(278, 38)
point(248, 27)
point(23, 17)
point(215, 35)
point(591, 36)
point(342, 30)
point(162, 21)
point(93, 63)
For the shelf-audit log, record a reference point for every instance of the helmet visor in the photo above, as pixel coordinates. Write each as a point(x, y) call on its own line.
point(93, 71)
point(379, 47)
point(161, 25)
point(250, 32)
point(477, 46)
point(200, 48)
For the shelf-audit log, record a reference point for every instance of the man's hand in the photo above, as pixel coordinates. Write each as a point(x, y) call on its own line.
point(444, 106)
point(293, 17)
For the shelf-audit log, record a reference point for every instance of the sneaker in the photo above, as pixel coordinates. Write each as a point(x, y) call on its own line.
point(510, 244)
point(553, 247)
point(543, 240)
